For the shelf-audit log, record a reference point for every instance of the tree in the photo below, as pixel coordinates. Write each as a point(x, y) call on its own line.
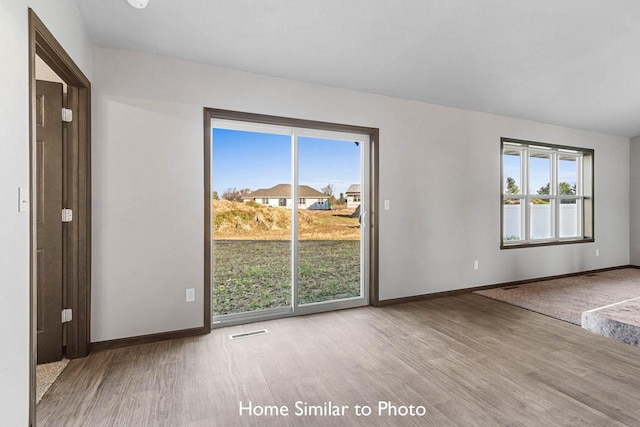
point(567, 189)
point(564, 189)
point(215, 196)
point(327, 190)
point(234, 195)
point(545, 189)
point(342, 200)
point(512, 188)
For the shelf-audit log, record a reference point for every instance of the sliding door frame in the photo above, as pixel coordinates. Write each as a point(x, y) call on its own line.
point(371, 169)
point(364, 298)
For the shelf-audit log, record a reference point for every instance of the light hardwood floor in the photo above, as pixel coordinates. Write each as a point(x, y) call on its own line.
point(468, 360)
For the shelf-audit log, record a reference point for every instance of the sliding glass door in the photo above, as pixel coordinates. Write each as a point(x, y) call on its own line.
point(289, 221)
point(252, 253)
point(330, 234)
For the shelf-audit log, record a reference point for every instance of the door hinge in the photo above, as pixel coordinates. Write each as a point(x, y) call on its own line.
point(67, 315)
point(67, 115)
point(67, 215)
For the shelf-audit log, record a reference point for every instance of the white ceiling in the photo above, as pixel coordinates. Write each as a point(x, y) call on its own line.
point(574, 63)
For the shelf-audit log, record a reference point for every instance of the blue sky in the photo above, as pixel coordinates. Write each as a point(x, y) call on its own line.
point(539, 171)
point(257, 160)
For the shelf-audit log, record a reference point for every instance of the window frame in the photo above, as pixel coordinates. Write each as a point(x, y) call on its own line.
point(584, 196)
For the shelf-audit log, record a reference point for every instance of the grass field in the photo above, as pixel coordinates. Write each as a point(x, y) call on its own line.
point(254, 275)
point(252, 256)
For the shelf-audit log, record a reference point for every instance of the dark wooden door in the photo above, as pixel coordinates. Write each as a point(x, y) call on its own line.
point(48, 193)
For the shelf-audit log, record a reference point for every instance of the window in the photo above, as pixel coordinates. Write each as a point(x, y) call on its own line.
point(546, 194)
point(356, 197)
point(265, 201)
point(282, 202)
point(303, 202)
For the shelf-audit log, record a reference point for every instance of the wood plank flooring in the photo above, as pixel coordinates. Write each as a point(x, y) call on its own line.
point(469, 360)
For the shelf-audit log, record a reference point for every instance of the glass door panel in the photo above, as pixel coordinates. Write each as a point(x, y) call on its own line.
point(329, 249)
point(251, 224)
point(289, 221)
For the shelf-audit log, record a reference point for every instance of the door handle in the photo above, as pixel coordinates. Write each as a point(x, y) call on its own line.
point(362, 219)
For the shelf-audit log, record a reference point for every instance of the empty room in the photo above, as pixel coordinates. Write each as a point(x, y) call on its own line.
point(279, 213)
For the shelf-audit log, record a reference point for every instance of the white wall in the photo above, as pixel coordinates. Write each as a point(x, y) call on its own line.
point(63, 19)
point(634, 200)
point(148, 185)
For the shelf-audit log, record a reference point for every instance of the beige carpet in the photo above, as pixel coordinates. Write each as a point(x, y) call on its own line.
point(46, 375)
point(566, 299)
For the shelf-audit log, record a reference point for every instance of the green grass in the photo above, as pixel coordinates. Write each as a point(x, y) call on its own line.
point(255, 275)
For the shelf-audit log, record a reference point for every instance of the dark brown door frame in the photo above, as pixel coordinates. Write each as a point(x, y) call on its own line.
point(76, 194)
point(374, 137)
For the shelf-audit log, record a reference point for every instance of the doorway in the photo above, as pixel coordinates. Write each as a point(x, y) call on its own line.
point(288, 227)
point(59, 203)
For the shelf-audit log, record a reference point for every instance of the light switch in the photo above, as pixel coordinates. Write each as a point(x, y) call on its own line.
point(23, 200)
point(386, 205)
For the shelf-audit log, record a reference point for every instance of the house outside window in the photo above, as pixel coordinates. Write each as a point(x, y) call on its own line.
point(546, 194)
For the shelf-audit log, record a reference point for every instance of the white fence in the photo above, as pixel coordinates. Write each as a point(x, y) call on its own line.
point(541, 221)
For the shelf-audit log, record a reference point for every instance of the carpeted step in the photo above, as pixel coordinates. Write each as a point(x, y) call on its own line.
point(620, 321)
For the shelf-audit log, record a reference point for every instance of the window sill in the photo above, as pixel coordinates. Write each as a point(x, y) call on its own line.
point(545, 243)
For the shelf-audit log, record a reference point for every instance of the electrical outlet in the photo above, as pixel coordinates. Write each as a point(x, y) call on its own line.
point(476, 265)
point(191, 295)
